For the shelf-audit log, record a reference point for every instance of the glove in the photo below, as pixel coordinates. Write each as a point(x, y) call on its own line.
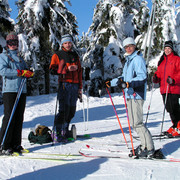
point(80, 95)
point(155, 79)
point(53, 69)
point(170, 80)
point(130, 91)
point(25, 73)
point(122, 84)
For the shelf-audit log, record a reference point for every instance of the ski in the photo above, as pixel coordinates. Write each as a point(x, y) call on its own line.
point(43, 156)
point(164, 135)
point(160, 136)
point(101, 149)
point(90, 155)
point(97, 153)
point(84, 136)
point(40, 158)
point(52, 154)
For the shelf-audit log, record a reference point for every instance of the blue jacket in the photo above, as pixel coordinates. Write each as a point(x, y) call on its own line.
point(135, 73)
point(8, 70)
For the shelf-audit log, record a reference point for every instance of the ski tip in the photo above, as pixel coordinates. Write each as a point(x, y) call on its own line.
point(87, 135)
point(70, 139)
point(15, 154)
point(25, 151)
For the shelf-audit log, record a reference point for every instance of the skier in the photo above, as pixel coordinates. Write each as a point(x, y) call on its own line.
point(13, 69)
point(134, 81)
point(67, 65)
point(168, 75)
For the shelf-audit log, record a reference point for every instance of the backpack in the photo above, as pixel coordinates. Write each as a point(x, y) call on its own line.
point(42, 135)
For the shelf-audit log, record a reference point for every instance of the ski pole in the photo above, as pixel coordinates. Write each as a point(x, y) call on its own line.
point(53, 129)
point(149, 104)
point(14, 108)
point(84, 118)
point(117, 116)
point(88, 84)
point(164, 109)
point(128, 123)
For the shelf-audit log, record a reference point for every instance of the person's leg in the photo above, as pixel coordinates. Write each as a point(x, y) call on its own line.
point(8, 100)
point(19, 117)
point(138, 125)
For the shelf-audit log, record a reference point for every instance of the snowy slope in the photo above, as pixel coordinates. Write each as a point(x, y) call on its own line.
point(105, 132)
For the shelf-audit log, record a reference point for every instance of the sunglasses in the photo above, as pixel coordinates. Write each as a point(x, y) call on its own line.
point(129, 46)
point(12, 42)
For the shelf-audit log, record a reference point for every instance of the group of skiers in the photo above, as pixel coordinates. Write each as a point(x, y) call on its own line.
point(66, 64)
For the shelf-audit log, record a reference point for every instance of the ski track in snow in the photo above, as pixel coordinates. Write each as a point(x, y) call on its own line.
point(106, 136)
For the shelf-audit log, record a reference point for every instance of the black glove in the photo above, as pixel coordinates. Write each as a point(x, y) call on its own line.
point(155, 79)
point(170, 80)
point(80, 95)
point(122, 84)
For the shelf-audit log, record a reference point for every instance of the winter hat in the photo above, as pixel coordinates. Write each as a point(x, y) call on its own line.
point(168, 44)
point(128, 41)
point(11, 36)
point(66, 38)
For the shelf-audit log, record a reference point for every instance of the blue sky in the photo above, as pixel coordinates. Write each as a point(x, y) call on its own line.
point(82, 9)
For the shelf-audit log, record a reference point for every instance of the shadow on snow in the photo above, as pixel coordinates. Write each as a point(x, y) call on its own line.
point(65, 171)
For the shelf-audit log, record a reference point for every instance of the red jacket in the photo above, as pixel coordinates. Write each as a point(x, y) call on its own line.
point(170, 66)
point(60, 63)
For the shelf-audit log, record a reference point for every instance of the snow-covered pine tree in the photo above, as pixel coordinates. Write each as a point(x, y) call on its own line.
point(178, 26)
point(140, 21)
point(113, 21)
point(164, 26)
point(6, 23)
point(41, 23)
point(104, 52)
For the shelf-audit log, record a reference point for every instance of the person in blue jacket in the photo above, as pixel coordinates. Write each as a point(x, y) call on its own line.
point(12, 69)
point(134, 82)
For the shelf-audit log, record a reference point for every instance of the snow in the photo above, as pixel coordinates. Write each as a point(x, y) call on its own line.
point(105, 134)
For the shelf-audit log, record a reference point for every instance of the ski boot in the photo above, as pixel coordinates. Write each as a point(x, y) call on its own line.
point(136, 151)
point(7, 152)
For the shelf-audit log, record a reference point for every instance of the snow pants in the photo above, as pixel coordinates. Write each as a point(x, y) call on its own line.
point(67, 97)
point(14, 133)
point(135, 112)
point(173, 107)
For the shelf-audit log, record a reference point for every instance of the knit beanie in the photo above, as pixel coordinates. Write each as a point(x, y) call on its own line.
point(128, 41)
point(66, 38)
point(11, 36)
point(169, 44)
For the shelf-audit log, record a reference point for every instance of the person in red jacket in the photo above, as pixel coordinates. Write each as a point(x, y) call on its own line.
point(66, 64)
point(168, 75)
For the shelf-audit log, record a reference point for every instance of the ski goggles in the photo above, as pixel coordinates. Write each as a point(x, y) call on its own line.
point(12, 42)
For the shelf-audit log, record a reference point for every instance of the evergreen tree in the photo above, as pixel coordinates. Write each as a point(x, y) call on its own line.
point(104, 47)
point(113, 21)
point(164, 26)
point(178, 26)
point(5, 22)
point(42, 23)
point(6, 25)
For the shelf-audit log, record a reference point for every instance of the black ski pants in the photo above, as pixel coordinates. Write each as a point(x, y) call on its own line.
point(173, 107)
point(14, 133)
point(67, 97)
